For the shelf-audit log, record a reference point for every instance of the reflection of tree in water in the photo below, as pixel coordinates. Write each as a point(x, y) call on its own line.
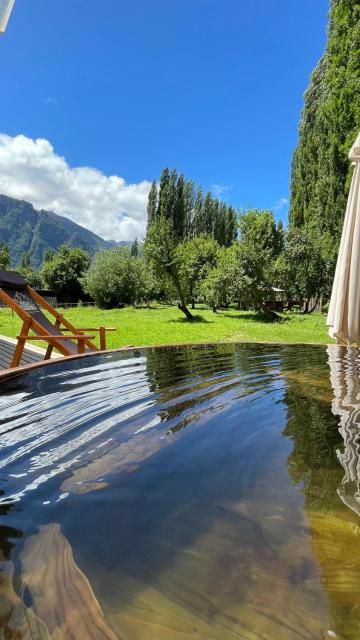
point(9, 599)
point(7, 536)
point(186, 377)
point(345, 378)
point(314, 463)
point(61, 603)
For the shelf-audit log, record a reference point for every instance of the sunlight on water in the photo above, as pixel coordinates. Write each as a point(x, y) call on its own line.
point(206, 493)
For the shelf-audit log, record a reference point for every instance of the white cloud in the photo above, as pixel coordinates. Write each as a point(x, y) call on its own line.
point(50, 100)
point(280, 204)
point(107, 205)
point(219, 189)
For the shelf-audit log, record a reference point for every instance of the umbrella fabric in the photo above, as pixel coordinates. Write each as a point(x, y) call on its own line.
point(5, 10)
point(344, 310)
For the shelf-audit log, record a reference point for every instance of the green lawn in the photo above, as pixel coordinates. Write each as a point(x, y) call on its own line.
point(165, 325)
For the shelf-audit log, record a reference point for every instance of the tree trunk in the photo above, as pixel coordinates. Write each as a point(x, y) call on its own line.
point(306, 307)
point(314, 305)
point(270, 315)
point(185, 310)
point(182, 305)
point(193, 303)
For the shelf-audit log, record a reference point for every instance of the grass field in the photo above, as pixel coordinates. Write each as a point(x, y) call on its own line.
point(165, 325)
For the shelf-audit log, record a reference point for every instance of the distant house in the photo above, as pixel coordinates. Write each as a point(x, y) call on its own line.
point(277, 301)
point(48, 295)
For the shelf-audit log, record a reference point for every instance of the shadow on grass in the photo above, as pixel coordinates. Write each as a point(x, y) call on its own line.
point(256, 317)
point(195, 320)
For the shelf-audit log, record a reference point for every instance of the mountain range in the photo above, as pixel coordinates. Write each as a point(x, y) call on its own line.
point(23, 228)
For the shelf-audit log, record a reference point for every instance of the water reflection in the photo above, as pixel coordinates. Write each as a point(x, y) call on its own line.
point(178, 494)
point(345, 379)
point(319, 444)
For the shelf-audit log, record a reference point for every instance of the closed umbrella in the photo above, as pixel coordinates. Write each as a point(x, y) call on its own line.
point(5, 10)
point(344, 310)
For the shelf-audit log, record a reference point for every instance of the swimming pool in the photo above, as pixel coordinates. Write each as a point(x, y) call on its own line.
point(200, 492)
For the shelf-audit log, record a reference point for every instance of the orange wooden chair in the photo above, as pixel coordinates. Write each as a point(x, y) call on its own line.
point(29, 306)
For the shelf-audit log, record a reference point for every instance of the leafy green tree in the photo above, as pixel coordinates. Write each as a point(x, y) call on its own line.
point(242, 276)
point(134, 251)
point(5, 259)
point(258, 229)
point(49, 255)
point(115, 276)
point(215, 287)
point(255, 266)
point(196, 258)
point(25, 260)
point(160, 251)
point(64, 273)
point(302, 270)
point(280, 238)
point(28, 272)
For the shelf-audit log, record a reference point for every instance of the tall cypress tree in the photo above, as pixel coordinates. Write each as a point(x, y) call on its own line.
point(172, 195)
point(208, 214)
point(198, 212)
point(152, 204)
point(189, 212)
point(179, 208)
point(330, 120)
point(163, 199)
point(231, 226)
point(222, 235)
point(189, 203)
point(216, 219)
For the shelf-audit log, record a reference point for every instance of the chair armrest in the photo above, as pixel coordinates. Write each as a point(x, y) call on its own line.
point(92, 329)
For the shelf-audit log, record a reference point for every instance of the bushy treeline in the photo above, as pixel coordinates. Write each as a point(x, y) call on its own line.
point(184, 261)
point(62, 271)
point(191, 212)
point(263, 257)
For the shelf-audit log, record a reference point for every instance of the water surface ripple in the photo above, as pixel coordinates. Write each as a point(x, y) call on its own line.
point(193, 492)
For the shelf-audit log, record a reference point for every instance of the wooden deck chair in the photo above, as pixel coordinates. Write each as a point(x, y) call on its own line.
point(29, 306)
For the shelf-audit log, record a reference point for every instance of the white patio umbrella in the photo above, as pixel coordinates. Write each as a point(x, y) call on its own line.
point(5, 10)
point(344, 310)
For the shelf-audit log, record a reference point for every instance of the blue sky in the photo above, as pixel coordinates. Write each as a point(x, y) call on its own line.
point(213, 88)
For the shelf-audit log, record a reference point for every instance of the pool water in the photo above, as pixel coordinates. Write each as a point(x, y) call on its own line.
point(206, 493)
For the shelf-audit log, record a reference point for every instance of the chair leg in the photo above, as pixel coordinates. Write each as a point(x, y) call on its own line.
point(48, 353)
point(102, 338)
point(81, 345)
point(21, 344)
point(18, 353)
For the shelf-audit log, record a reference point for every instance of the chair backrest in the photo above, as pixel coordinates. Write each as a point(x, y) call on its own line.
point(23, 301)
